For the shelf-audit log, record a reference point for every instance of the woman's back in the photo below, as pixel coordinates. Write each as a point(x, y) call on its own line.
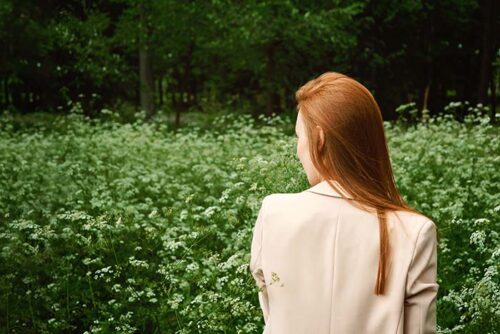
point(316, 257)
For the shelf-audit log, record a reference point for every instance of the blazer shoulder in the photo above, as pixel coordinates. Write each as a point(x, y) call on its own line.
point(427, 227)
point(415, 225)
point(425, 223)
point(415, 221)
point(278, 199)
point(277, 202)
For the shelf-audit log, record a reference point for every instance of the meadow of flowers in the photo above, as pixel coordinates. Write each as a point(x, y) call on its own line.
point(125, 228)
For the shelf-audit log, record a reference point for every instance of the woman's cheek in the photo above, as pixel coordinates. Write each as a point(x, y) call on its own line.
point(301, 150)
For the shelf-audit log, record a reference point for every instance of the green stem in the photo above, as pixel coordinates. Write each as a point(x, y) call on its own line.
point(31, 309)
point(8, 329)
point(91, 292)
point(67, 299)
point(177, 318)
point(113, 249)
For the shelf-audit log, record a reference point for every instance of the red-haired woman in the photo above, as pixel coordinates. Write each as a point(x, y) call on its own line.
point(347, 255)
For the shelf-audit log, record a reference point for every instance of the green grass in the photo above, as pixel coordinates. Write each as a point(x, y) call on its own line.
point(125, 228)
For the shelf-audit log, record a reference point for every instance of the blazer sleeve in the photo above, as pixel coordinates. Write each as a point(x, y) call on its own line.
point(256, 264)
point(421, 286)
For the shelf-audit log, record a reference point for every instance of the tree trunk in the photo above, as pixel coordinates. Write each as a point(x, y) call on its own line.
point(6, 93)
point(425, 109)
point(146, 82)
point(487, 49)
point(269, 76)
point(177, 118)
point(493, 97)
point(187, 78)
point(160, 91)
point(145, 67)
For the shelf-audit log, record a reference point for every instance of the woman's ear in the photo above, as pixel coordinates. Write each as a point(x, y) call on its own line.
point(321, 137)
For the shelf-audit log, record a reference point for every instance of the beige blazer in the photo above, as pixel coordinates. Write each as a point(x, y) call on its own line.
point(315, 258)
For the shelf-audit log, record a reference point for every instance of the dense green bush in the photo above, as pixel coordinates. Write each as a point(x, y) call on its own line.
point(125, 228)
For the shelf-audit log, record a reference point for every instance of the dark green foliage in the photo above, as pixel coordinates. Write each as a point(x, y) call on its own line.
point(200, 53)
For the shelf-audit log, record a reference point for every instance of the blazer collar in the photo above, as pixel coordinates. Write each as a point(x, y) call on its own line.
point(324, 188)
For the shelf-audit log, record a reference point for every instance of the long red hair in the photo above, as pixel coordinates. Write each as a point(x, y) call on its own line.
point(355, 151)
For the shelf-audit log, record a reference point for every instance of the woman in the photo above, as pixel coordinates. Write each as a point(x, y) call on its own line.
point(347, 255)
